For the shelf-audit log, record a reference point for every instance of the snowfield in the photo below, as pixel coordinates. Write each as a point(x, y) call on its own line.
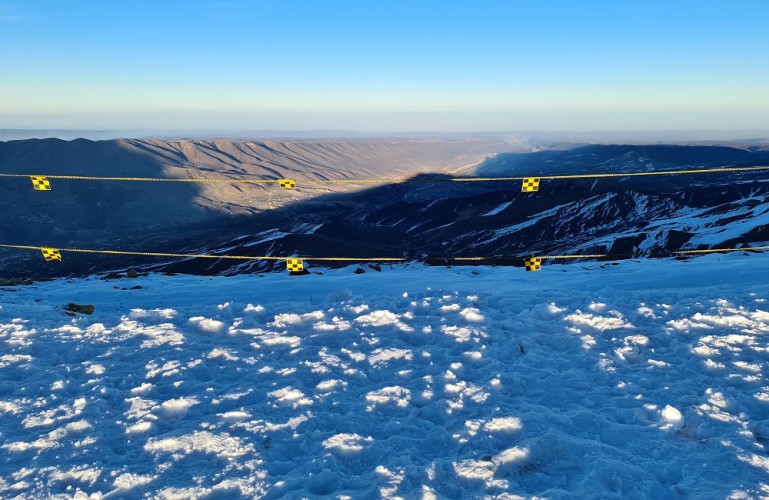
point(642, 379)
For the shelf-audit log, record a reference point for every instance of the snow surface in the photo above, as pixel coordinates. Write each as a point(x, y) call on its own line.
point(643, 379)
point(499, 209)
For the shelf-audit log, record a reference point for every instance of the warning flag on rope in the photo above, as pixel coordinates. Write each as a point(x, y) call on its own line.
point(530, 184)
point(40, 183)
point(50, 254)
point(295, 265)
point(533, 263)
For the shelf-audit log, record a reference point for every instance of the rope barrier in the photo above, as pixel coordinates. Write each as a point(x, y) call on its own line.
point(294, 263)
point(658, 172)
point(530, 184)
point(138, 179)
point(715, 250)
point(41, 182)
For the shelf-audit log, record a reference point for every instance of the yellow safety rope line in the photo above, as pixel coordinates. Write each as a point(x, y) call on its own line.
point(207, 256)
point(716, 250)
point(656, 172)
point(579, 256)
point(140, 179)
point(397, 180)
point(149, 254)
point(380, 259)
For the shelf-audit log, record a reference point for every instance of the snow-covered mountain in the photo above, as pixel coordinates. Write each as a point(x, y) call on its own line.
point(640, 379)
point(561, 158)
point(625, 216)
point(414, 220)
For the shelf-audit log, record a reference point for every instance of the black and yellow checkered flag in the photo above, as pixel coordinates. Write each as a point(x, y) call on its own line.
point(533, 263)
point(530, 184)
point(50, 254)
point(287, 183)
point(40, 183)
point(295, 265)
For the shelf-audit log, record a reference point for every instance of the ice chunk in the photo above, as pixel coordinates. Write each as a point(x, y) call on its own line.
point(672, 417)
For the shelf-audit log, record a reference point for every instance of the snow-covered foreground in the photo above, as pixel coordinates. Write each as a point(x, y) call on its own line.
point(643, 379)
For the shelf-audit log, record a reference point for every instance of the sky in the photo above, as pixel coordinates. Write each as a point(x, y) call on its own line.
point(389, 65)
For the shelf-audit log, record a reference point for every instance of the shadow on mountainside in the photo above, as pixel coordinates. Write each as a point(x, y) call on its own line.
point(411, 220)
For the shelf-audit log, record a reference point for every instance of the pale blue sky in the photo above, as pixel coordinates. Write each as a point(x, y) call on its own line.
point(388, 65)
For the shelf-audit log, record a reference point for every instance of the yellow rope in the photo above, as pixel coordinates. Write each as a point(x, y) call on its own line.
point(139, 179)
point(150, 254)
point(659, 172)
point(717, 250)
point(576, 256)
point(380, 259)
point(399, 180)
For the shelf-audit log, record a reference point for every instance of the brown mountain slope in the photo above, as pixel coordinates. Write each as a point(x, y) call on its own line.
point(146, 214)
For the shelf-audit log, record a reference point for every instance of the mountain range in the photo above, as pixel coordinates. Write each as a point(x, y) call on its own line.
point(430, 218)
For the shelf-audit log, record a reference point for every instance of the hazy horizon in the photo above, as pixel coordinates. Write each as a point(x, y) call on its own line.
point(448, 66)
point(513, 136)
